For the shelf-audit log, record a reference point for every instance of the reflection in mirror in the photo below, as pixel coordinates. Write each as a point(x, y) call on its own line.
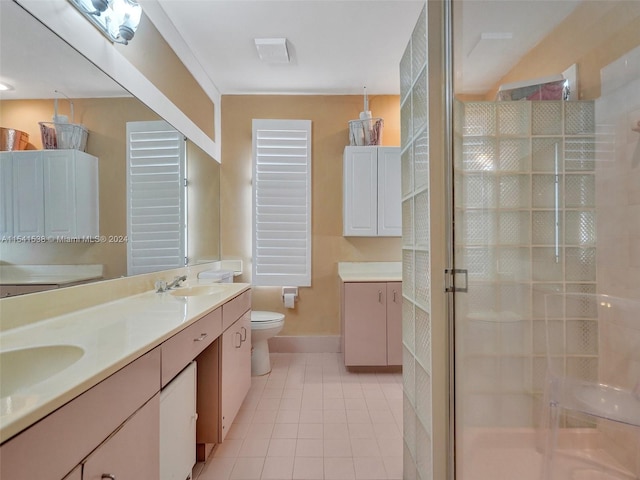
point(104, 108)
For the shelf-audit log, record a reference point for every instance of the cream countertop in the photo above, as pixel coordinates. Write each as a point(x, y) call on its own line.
point(112, 335)
point(370, 271)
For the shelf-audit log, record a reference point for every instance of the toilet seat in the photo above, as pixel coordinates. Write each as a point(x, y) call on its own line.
point(263, 320)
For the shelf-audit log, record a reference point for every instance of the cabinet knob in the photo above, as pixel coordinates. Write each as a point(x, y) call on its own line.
point(394, 296)
point(379, 296)
point(111, 476)
point(200, 338)
point(238, 335)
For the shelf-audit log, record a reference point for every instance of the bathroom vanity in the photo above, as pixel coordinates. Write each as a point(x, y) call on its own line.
point(99, 410)
point(371, 313)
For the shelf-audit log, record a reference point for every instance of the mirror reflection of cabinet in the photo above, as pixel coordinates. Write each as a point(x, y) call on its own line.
point(51, 195)
point(103, 107)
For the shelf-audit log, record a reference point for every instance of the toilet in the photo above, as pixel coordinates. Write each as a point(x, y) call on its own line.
point(264, 325)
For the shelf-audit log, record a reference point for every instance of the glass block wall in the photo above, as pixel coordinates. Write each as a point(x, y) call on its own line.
point(524, 227)
point(416, 326)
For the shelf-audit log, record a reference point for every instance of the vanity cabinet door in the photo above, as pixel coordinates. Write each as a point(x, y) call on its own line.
point(235, 367)
point(394, 323)
point(372, 323)
point(132, 452)
point(365, 324)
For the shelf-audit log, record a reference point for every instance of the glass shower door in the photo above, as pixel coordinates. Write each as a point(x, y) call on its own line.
point(545, 201)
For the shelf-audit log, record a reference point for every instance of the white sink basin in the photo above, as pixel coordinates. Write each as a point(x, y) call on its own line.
point(611, 403)
point(196, 290)
point(27, 366)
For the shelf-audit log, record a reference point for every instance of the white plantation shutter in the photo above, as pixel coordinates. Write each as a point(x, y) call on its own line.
point(155, 197)
point(282, 202)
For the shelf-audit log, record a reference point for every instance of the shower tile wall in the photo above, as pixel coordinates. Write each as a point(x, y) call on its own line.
point(524, 226)
point(416, 317)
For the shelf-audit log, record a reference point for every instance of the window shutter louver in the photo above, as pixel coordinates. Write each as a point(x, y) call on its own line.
point(282, 202)
point(155, 197)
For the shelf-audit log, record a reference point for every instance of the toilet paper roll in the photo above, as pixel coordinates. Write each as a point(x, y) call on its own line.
point(289, 300)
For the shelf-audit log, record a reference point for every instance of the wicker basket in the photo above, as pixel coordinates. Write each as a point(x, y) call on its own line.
point(62, 136)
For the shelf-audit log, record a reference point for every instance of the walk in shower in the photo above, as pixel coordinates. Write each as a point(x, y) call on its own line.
point(542, 210)
point(546, 202)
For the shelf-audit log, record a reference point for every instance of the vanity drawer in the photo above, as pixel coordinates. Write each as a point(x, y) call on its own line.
point(183, 347)
point(234, 309)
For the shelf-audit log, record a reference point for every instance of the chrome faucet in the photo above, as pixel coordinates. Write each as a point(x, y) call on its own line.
point(162, 286)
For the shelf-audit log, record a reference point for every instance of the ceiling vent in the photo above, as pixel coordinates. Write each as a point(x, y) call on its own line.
point(272, 50)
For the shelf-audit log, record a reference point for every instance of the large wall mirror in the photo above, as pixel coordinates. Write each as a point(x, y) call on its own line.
point(36, 63)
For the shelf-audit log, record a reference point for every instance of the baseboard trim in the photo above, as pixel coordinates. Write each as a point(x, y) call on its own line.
point(305, 344)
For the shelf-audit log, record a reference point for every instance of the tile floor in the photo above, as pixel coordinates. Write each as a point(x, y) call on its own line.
point(311, 419)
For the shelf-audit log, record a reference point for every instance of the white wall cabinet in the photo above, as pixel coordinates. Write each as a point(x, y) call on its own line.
point(178, 426)
point(372, 203)
point(372, 323)
point(49, 193)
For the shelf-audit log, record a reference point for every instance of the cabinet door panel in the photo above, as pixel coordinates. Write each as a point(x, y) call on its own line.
point(389, 192)
point(360, 203)
point(87, 195)
point(365, 324)
point(235, 370)
point(59, 193)
point(133, 451)
point(28, 194)
point(6, 194)
point(394, 323)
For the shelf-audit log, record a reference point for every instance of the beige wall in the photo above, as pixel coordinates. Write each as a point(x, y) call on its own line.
point(317, 312)
point(203, 206)
point(592, 36)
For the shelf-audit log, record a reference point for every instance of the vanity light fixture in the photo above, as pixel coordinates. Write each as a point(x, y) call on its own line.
point(118, 20)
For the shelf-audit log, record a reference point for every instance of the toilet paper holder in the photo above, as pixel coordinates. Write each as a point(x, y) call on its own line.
point(287, 291)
